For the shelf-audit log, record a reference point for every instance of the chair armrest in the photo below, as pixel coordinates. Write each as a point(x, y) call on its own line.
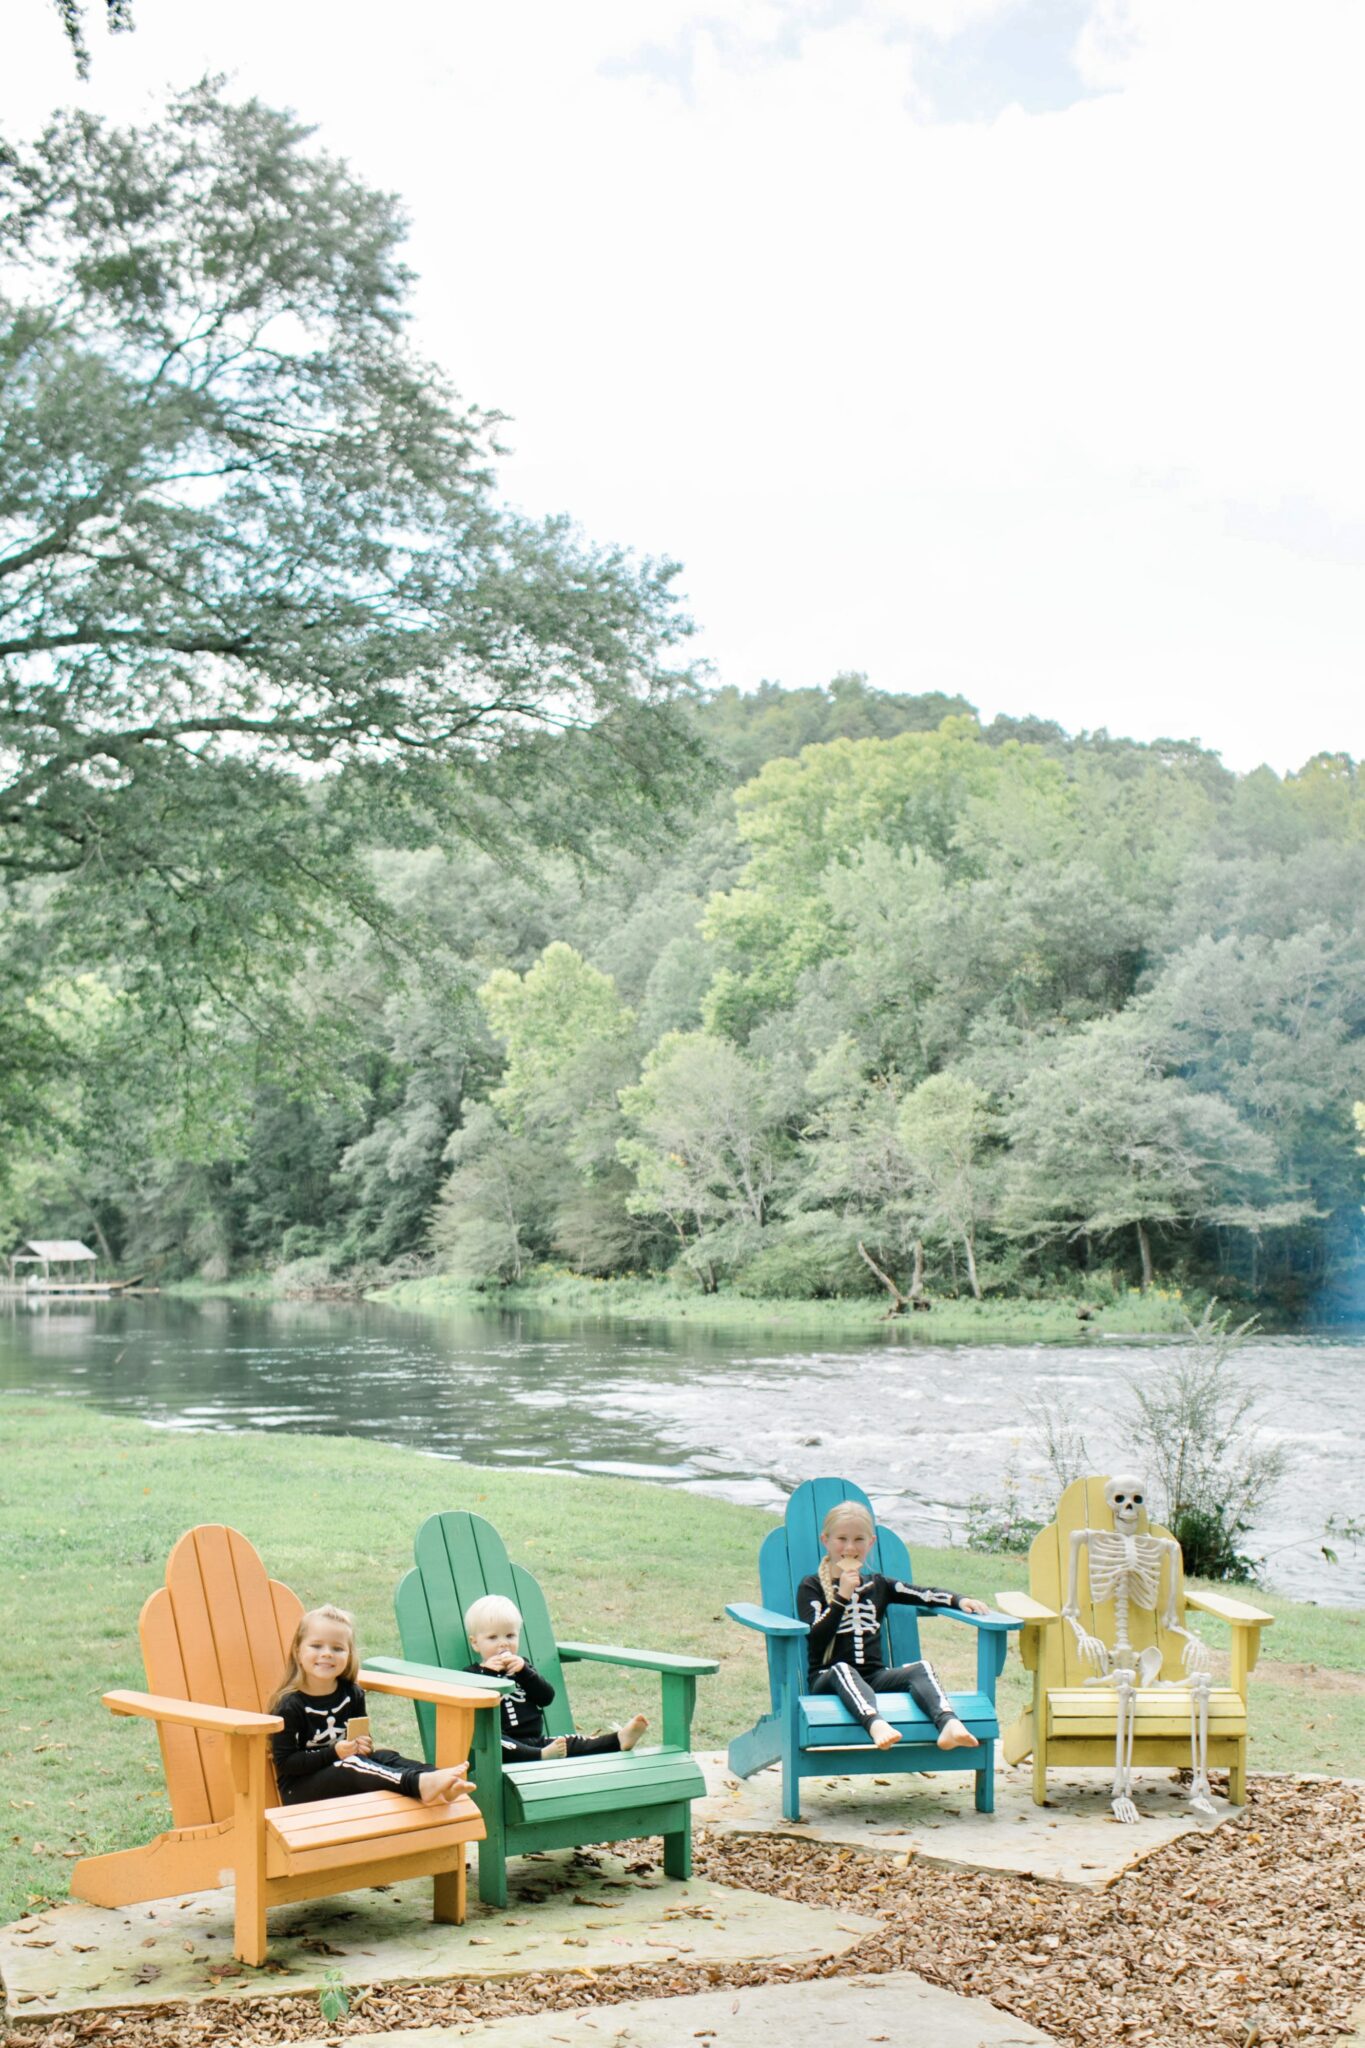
point(1025, 1608)
point(1235, 1611)
point(187, 1714)
point(765, 1619)
point(430, 1683)
point(662, 1661)
point(1001, 1622)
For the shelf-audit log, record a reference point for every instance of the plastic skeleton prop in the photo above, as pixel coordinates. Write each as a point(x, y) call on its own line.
point(1125, 1567)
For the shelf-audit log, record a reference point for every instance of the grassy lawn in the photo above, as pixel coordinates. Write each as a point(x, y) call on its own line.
point(949, 1321)
point(91, 1504)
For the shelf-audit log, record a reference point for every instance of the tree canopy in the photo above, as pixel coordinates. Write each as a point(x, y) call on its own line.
point(261, 611)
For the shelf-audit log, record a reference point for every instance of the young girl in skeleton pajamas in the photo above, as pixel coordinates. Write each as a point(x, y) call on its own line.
point(314, 1756)
point(493, 1626)
point(844, 1608)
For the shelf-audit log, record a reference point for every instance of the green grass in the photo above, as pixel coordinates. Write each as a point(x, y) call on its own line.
point(91, 1504)
point(949, 1321)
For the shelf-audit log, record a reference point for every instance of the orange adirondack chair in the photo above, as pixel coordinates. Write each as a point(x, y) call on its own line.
point(215, 1639)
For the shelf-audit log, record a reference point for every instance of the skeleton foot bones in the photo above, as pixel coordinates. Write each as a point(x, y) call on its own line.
point(1125, 1567)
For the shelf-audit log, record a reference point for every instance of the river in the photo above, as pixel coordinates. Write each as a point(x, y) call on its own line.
point(925, 1428)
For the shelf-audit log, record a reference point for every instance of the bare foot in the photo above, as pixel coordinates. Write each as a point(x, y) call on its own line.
point(884, 1736)
point(952, 1735)
point(630, 1731)
point(559, 1747)
point(434, 1786)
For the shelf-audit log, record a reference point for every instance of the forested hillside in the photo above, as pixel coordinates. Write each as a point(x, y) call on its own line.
point(901, 989)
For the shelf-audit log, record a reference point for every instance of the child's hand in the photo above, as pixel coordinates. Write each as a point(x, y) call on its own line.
point(512, 1664)
point(346, 1750)
point(850, 1578)
point(973, 1606)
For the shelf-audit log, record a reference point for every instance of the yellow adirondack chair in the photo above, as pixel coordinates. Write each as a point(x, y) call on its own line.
point(1071, 1723)
point(215, 1640)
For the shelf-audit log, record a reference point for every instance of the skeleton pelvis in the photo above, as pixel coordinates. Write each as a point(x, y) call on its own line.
point(1140, 1667)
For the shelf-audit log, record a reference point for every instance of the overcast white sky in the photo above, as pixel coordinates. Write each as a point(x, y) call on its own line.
point(1004, 346)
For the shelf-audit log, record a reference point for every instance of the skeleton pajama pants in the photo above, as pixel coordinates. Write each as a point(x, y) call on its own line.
point(858, 1689)
point(384, 1770)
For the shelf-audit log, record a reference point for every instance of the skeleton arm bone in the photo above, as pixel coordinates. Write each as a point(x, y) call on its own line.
point(1091, 1648)
point(1196, 1654)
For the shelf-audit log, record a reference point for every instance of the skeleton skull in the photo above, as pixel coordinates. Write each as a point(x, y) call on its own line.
point(1126, 1497)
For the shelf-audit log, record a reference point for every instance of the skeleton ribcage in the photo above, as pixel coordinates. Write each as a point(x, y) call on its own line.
point(1114, 1558)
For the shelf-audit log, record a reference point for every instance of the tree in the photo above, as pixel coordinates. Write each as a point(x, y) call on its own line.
point(259, 609)
point(118, 19)
point(546, 1019)
point(570, 1047)
point(492, 1216)
point(944, 1126)
point(1105, 1139)
point(857, 1180)
point(706, 1147)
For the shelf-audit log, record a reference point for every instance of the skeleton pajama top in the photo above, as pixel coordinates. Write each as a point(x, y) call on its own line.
point(850, 1632)
point(312, 1729)
point(523, 1712)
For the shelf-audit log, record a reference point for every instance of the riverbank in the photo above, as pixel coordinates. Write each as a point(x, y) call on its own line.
point(1161, 1312)
point(334, 1518)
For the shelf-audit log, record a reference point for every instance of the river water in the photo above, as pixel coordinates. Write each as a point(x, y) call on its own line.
point(925, 1428)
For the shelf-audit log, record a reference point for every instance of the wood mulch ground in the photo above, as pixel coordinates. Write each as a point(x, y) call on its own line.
point(1254, 1933)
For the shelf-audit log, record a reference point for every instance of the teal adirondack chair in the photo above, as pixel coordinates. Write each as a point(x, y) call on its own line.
point(550, 1805)
point(812, 1735)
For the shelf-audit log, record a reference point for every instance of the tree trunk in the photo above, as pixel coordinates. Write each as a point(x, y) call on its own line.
point(106, 1252)
point(1145, 1247)
point(917, 1272)
point(971, 1266)
point(899, 1302)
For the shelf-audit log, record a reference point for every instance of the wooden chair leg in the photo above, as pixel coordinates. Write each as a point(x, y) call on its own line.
point(678, 1851)
point(248, 1922)
point(791, 1786)
point(450, 1889)
point(985, 1783)
point(1039, 1771)
point(247, 1760)
point(493, 1872)
point(1237, 1778)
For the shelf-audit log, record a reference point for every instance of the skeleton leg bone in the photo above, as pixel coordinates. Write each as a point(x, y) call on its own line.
point(1201, 1792)
point(1121, 1804)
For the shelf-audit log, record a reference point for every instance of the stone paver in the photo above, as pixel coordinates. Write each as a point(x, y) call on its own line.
point(1073, 1840)
point(1356, 2038)
point(564, 1913)
point(898, 2009)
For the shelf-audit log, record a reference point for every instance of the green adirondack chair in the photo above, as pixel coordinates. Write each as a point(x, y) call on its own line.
point(813, 1734)
point(554, 1804)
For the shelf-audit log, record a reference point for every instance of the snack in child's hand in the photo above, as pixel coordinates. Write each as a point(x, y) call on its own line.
point(358, 1726)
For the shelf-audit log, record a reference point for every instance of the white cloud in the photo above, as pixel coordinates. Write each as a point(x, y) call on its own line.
point(1052, 408)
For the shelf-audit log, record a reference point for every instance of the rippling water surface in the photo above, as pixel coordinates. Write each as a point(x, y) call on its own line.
point(925, 1428)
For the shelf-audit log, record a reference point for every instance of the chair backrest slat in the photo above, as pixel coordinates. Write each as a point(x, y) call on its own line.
point(459, 1558)
point(217, 1633)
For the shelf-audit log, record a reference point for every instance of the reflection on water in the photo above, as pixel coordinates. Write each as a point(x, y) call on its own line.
point(925, 1428)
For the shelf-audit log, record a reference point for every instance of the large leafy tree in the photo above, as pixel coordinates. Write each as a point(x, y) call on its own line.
point(259, 607)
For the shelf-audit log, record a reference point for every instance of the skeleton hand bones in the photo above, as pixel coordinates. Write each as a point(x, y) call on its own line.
point(1093, 1651)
